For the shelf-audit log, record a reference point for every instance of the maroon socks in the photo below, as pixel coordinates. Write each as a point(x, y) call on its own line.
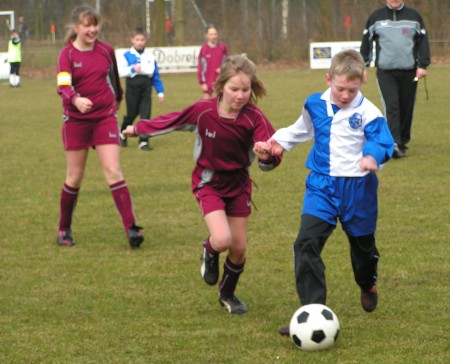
point(122, 198)
point(68, 202)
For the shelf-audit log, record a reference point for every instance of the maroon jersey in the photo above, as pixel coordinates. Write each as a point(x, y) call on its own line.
point(223, 144)
point(92, 74)
point(209, 60)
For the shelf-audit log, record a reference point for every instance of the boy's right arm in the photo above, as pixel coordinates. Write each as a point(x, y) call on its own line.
point(301, 131)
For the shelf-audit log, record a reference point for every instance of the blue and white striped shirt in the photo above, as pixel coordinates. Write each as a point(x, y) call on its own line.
point(341, 136)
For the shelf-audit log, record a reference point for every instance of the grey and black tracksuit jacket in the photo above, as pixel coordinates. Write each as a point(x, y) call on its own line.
point(401, 45)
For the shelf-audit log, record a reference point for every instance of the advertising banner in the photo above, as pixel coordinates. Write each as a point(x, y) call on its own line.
point(172, 59)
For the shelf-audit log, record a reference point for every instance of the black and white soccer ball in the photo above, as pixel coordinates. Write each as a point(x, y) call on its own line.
point(314, 327)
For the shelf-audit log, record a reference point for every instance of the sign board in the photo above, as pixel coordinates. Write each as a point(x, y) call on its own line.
point(172, 59)
point(320, 53)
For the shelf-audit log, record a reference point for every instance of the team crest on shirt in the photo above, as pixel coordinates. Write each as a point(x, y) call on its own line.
point(405, 32)
point(355, 120)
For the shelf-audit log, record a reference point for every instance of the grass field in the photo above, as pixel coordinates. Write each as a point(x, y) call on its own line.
point(100, 302)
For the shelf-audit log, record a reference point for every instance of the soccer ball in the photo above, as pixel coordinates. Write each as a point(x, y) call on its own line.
point(314, 327)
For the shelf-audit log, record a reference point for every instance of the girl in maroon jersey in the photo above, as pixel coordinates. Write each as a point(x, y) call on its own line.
point(227, 127)
point(211, 56)
point(88, 83)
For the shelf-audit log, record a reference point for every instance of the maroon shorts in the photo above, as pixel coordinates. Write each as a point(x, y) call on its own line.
point(80, 134)
point(229, 191)
point(211, 200)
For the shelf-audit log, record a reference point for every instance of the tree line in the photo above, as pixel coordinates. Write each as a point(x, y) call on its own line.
point(264, 29)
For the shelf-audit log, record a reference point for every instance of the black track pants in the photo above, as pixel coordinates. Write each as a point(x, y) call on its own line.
point(398, 94)
point(310, 269)
point(138, 98)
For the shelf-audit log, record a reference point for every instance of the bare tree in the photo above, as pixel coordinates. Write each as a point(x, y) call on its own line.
point(264, 29)
point(158, 29)
point(179, 23)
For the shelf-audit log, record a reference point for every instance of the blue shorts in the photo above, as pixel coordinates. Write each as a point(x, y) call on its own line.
point(80, 134)
point(352, 200)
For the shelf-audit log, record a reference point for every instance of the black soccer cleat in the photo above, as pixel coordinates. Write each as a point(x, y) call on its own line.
point(145, 146)
point(64, 238)
point(210, 267)
point(135, 237)
point(399, 152)
point(233, 304)
point(284, 330)
point(123, 140)
point(369, 299)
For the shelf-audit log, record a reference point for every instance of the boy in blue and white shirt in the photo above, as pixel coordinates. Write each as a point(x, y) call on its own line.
point(351, 141)
point(141, 71)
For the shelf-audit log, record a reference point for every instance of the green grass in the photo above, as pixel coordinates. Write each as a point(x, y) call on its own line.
point(100, 302)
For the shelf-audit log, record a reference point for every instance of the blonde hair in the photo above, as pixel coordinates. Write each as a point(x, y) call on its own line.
point(234, 65)
point(81, 14)
point(349, 63)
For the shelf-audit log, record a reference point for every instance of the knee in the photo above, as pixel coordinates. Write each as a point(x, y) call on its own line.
point(113, 174)
point(74, 177)
point(366, 243)
point(305, 246)
point(240, 251)
point(221, 243)
point(237, 253)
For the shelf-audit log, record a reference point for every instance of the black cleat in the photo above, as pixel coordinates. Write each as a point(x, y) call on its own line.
point(399, 152)
point(369, 299)
point(233, 304)
point(135, 237)
point(64, 238)
point(284, 331)
point(123, 140)
point(210, 267)
point(145, 146)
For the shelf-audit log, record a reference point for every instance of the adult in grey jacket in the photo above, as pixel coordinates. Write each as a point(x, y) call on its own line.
point(402, 56)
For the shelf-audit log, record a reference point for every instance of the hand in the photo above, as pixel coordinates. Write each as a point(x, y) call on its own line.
point(262, 151)
point(421, 73)
point(368, 163)
point(161, 99)
point(129, 131)
point(275, 148)
point(83, 104)
point(137, 68)
point(204, 87)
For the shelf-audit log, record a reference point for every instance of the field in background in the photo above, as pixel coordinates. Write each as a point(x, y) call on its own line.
point(100, 302)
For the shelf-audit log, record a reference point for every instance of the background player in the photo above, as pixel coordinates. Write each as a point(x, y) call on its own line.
point(211, 56)
point(89, 85)
point(14, 58)
point(402, 56)
point(141, 71)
